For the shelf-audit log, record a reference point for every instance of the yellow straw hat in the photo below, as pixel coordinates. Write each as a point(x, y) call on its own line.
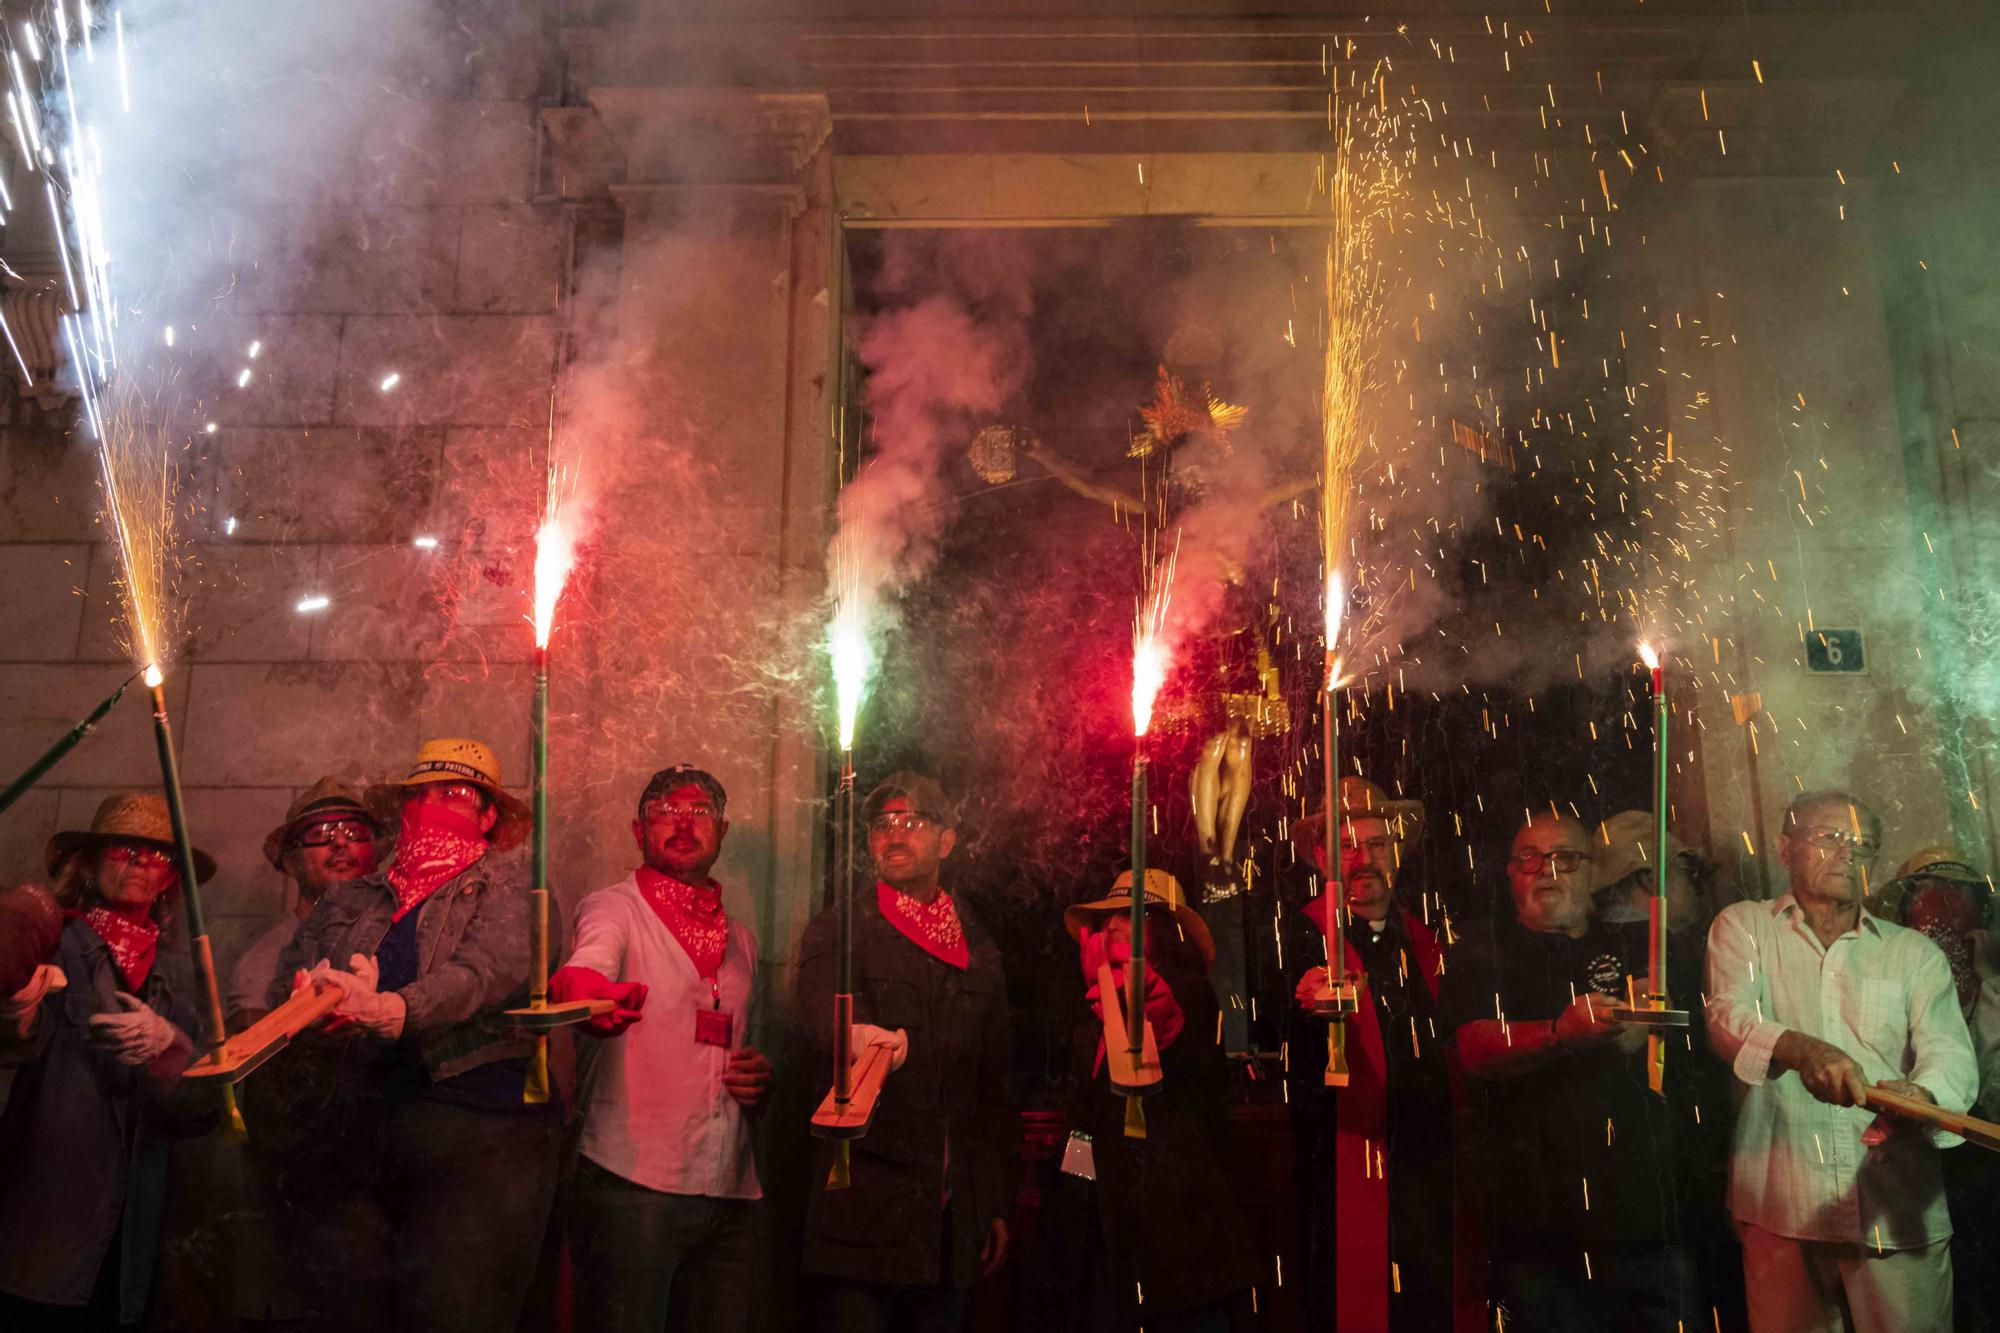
point(1162, 890)
point(452, 760)
point(131, 816)
point(1360, 799)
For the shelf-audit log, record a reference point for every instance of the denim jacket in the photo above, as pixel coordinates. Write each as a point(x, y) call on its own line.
point(472, 957)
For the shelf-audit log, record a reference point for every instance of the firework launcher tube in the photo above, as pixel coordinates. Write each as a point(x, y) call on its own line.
point(54, 754)
point(1652, 1009)
point(1970, 1128)
point(214, 1033)
point(849, 1106)
point(1340, 997)
point(1136, 1074)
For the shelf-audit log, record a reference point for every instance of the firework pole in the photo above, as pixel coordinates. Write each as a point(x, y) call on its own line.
point(68, 741)
point(214, 1033)
point(555, 556)
point(1340, 996)
point(849, 1106)
point(1131, 1054)
point(1652, 1009)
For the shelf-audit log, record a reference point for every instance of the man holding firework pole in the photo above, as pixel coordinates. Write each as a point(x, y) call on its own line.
point(427, 1197)
point(1842, 1212)
point(659, 1210)
point(932, 1180)
point(1381, 1145)
point(84, 1143)
point(1575, 1150)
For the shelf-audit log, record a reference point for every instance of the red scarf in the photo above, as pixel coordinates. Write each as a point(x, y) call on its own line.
point(693, 914)
point(436, 844)
point(133, 936)
point(932, 926)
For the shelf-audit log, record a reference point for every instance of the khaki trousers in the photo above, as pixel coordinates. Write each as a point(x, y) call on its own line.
point(1813, 1286)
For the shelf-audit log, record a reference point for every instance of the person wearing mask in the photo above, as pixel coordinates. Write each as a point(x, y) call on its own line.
point(85, 1138)
point(426, 1197)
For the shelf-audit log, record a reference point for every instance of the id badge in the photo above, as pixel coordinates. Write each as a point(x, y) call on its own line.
point(1079, 1159)
point(711, 1027)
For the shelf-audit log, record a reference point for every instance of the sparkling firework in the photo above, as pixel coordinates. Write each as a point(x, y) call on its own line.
point(847, 647)
point(555, 552)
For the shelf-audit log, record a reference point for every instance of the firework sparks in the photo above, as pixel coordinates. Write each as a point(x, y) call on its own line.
point(847, 645)
point(555, 552)
point(1149, 649)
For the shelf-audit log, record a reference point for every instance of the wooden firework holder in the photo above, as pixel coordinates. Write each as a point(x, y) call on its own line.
point(849, 1117)
point(549, 1017)
point(1970, 1128)
point(1132, 1079)
point(233, 1060)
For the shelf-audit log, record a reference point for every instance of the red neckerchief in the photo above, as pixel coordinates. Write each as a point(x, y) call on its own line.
point(692, 913)
point(932, 926)
point(436, 844)
point(133, 936)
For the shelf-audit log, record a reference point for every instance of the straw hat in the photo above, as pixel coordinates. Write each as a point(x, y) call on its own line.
point(328, 799)
point(924, 794)
point(1625, 845)
point(469, 761)
point(1939, 861)
point(1360, 799)
point(1162, 890)
point(132, 816)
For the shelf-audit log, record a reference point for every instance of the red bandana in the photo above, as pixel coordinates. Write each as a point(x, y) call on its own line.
point(436, 844)
point(932, 926)
point(133, 937)
point(694, 916)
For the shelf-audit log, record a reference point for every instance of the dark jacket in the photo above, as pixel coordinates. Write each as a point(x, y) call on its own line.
point(84, 1143)
point(955, 1088)
point(472, 957)
point(1165, 1204)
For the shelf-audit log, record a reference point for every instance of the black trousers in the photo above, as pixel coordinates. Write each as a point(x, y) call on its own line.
point(418, 1214)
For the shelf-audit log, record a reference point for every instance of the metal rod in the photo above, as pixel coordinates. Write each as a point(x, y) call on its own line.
point(68, 741)
point(843, 1002)
point(1656, 944)
point(1135, 980)
point(214, 1031)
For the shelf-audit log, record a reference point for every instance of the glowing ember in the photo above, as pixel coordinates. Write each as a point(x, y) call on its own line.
point(1649, 655)
point(555, 556)
point(154, 676)
point(847, 644)
point(1149, 672)
point(1336, 608)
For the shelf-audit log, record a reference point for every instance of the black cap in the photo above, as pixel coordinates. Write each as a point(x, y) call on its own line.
point(923, 794)
point(683, 775)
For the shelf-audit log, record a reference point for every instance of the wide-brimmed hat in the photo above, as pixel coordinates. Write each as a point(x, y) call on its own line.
point(924, 794)
point(1938, 861)
point(1360, 799)
point(1625, 845)
point(133, 816)
point(452, 760)
point(328, 799)
point(1162, 890)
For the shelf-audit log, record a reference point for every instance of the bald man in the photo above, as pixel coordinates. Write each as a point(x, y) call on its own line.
point(1574, 1150)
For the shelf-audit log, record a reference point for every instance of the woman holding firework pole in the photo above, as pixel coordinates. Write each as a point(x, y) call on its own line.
point(426, 1200)
point(85, 1138)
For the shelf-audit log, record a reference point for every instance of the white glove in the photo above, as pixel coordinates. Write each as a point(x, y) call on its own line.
point(379, 1013)
point(863, 1035)
point(18, 1011)
point(137, 1035)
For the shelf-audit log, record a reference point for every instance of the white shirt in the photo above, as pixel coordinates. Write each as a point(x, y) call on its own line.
point(655, 1111)
point(1883, 995)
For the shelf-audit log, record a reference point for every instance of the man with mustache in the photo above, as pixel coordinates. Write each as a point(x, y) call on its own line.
point(1574, 1150)
point(926, 1214)
point(1843, 1216)
point(659, 1211)
point(1381, 1145)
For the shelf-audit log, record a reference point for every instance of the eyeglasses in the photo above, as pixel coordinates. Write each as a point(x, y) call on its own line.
point(344, 832)
point(458, 791)
point(1564, 859)
point(152, 858)
point(901, 821)
point(1374, 846)
point(661, 812)
point(1831, 840)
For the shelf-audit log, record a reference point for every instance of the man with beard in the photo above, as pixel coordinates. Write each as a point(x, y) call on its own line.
point(1381, 1145)
point(659, 1210)
point(1574, 1148)
point(1843, 1216)
point(932, 1181)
